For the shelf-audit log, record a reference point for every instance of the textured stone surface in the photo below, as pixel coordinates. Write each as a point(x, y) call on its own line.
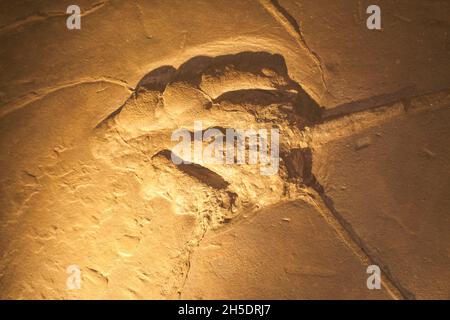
point(85, 123)
point(396, 202)
point(287, 251)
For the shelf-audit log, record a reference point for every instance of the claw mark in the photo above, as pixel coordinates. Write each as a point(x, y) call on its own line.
point(197, 171)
